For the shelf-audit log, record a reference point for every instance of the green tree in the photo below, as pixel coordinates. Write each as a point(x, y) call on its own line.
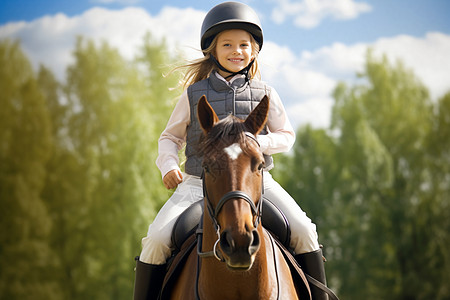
point(435, 205)
point(162, 84)
point(78, 183)
point(375, 184)
point(62, 187)
point(26, 259)
point(103, 187)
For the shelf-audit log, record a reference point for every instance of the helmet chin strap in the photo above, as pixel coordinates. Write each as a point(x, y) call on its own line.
point(244, 71)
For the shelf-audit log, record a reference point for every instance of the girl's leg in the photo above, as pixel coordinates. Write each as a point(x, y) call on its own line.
point(303, 234)
point(304, 237)
point(157, 245)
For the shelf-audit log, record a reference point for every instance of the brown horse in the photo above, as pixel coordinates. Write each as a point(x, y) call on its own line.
point(237, 258)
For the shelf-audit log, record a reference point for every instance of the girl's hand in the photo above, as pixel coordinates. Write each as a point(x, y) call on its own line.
point(172, 179)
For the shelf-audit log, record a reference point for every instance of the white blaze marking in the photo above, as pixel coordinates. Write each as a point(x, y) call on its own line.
point(233, 151)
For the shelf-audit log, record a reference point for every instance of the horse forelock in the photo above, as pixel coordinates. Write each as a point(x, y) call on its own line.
point(228, 131)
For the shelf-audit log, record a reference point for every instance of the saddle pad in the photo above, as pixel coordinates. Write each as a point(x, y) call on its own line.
point(175, 266)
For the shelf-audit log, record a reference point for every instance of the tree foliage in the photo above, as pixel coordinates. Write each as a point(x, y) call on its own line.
point(78, 177)
point(377, 185)
point(26, 258)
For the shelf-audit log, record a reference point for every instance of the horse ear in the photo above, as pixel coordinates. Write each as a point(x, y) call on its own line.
point(257, 118)
point(206, 115)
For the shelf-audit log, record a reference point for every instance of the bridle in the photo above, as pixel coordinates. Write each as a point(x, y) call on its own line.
point(214, 211)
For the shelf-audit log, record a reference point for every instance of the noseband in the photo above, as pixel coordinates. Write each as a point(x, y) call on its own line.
point(214, 212)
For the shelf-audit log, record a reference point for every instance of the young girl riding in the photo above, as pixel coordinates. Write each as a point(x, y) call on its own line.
point(231, 38)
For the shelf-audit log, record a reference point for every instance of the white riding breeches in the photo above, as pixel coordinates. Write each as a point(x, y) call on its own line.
point(157, 245)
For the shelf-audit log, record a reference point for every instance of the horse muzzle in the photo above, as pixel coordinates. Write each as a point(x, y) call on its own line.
point(239, 249)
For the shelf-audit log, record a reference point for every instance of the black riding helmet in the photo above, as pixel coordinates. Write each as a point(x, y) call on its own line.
point(230, 15)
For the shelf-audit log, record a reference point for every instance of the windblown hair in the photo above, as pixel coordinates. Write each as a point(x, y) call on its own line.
point(201, 68)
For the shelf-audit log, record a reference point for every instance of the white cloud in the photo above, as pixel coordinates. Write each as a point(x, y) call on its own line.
point(305, 91)
point(314, 111)
point(309, 13)
point(337, 60)
point(304, 80)
point(427, 57)
point(50, 39)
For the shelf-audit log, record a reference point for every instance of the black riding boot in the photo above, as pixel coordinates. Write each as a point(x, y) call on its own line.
point(148, 281)
point(312, 264)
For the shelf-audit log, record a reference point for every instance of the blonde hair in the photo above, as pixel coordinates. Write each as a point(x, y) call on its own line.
point(201, 68)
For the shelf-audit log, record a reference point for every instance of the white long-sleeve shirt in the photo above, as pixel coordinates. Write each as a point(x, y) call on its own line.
point(280, 137)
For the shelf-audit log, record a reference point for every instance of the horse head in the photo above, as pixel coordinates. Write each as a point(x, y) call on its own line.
point(232, 181)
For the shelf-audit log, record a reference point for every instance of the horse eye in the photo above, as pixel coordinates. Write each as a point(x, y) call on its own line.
point(257, 164)
point(206, 168)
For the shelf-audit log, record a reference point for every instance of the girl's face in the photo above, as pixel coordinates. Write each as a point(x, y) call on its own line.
point(234, 50)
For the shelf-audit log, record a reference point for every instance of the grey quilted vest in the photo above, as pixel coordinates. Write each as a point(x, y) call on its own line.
point(238, 99)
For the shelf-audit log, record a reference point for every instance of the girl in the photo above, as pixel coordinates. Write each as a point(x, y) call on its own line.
point(231, 38)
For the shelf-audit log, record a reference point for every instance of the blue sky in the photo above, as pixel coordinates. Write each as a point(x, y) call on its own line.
point(386, 18)
point(310, 45)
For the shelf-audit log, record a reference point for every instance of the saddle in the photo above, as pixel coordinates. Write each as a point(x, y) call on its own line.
point(273, 219)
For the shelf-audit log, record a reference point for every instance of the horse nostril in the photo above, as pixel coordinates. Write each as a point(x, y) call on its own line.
point(254, 246)
point(226, 242)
